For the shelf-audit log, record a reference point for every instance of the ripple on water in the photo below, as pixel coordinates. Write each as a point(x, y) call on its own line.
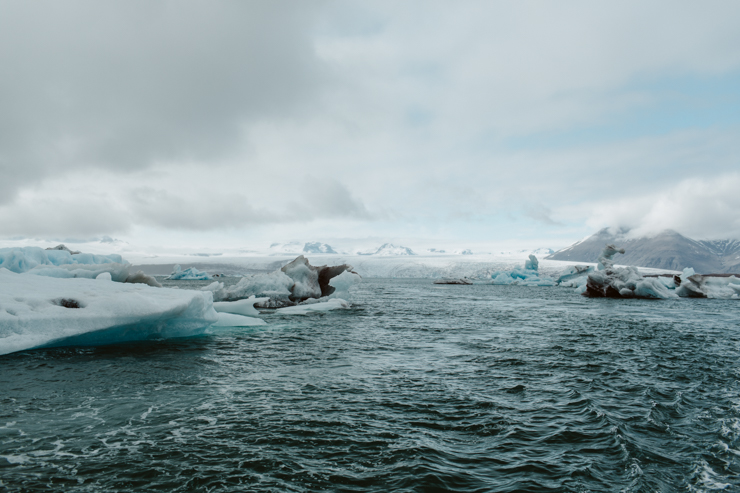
point(417, 388)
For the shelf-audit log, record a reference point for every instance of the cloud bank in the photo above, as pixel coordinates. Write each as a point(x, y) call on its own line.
point(492, 119)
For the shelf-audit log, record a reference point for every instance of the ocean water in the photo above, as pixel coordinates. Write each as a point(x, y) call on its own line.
point(418, 387)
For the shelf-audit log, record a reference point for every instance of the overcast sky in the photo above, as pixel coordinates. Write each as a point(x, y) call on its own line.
point(235, 123)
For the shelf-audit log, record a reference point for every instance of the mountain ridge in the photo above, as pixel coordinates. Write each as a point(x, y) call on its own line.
point(668, 250)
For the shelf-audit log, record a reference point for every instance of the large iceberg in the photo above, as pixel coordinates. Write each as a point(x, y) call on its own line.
point(608, 281)
point(692, 285)
point(293, 283)
point(190, 274)
point(37, 311)
point(60, 262)
point(527, 276)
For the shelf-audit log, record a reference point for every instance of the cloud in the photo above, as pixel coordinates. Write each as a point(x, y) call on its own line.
point(698, 207)
point(378, 116)
point(125, 85)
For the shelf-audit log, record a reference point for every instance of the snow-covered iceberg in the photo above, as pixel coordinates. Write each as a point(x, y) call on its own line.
point(37, 311)
point(190, 274)
point(295, 282)
point(527, 276)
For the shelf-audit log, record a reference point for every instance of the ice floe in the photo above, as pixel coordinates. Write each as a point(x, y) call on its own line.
point(322, 306)
point(38, 311)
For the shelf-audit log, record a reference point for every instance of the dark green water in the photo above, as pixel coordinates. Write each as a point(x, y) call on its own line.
point(416, 388)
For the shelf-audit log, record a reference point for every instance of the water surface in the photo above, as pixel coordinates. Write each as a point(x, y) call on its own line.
point(418, 387)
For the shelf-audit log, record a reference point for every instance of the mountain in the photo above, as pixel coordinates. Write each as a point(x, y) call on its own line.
point(317, 247)
point(667, 250)
point(389, 249)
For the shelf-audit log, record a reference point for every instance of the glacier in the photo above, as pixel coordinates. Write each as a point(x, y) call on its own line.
point(39, 311)
point(190, 274)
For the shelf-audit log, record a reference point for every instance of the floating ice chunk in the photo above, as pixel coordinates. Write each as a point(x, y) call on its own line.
point(341, 283)
point(295, 282)
point(240, 307)
point(622, 282)
point(527, 276)
point(37, 311)
point(104, 276)
point(276, 286)
point(323, 306)
point(532, 263)
point(191, 274)
point(234, 320)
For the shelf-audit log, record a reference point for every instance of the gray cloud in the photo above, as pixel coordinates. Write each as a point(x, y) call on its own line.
point(124, 84)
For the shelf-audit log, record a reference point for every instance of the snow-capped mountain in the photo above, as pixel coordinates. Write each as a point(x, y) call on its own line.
point(317, 247)
point(388, 250)
point(667, 250)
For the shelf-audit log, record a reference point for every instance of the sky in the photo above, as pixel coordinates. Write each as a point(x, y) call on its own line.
point(226, 124)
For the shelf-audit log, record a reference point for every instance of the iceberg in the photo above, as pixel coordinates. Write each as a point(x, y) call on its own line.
point(62, 263)
point(692, 285)
point(293, 283)
point(574, 276)
point(608, 281)
point(527, 276)
point(191, 274)
point(23, 259)
point(38, 311)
